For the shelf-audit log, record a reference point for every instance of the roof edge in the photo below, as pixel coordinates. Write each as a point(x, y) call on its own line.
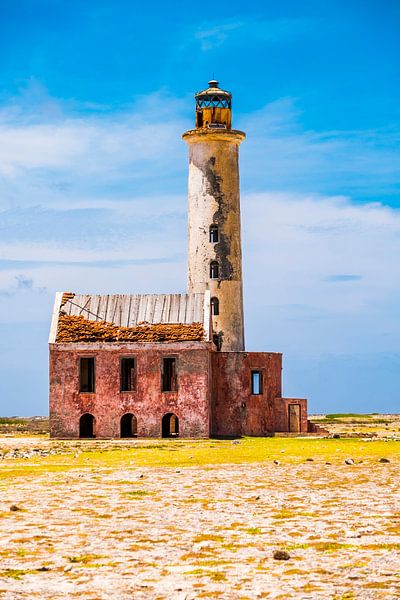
point(54, 317)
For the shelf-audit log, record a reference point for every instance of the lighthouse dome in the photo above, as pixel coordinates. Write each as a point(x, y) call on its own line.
point(213, 96)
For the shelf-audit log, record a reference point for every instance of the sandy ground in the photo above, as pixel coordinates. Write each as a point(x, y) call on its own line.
point(119, 531)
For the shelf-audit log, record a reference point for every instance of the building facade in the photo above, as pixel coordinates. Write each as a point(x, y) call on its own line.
point(175, 365)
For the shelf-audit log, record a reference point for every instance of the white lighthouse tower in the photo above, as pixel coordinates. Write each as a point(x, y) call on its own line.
point(215, 250)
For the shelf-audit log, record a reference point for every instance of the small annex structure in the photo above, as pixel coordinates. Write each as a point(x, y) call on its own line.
point(170, 365)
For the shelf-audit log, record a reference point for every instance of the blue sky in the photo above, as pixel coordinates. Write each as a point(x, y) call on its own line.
point(93, 176)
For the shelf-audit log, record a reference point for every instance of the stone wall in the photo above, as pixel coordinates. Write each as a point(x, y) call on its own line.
point(281, 413)
point(235, 410)
point(148, 403)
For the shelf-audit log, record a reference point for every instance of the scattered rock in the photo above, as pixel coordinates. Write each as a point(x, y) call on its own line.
point(309, 460)
point(336, 436)
point(257, 497)
point(276, 462)
point(141, 476)
point(235, 442)
point(328, 463)
point(43, 569)
point(14, 508)
point(384, 460)
point(67, 568)
point(349, 461)
point(281, 555)
point(354, 534)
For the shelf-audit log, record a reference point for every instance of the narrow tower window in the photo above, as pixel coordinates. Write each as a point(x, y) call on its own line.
point(128, 375)
point(86, 375)
point(214, 270)
point(214, 236)
point(214, 306)
point(169, 383)
point(256, 383)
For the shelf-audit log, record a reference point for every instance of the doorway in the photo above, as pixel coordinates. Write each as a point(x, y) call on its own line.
point(170, 425)
point(128, 426)
point(294, 418)
point(86, 426)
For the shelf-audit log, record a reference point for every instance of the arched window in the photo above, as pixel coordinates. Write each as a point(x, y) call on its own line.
point(214, 306)
point(128, 426)
point(170, 425)
point(214, 234)
point(86, 426)
point(214, 270)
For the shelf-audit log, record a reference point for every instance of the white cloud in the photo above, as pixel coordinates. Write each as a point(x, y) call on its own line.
point(322, 273)
point(212, 35)
point(215, 35)
point(49, 146)
point(20, 283)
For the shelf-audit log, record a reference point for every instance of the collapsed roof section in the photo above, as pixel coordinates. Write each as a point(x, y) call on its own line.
point(130, 318)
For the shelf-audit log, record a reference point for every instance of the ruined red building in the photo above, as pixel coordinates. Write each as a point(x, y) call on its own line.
point(169, 365)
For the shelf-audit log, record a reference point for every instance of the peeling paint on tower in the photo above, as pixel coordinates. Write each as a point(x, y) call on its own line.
point(214, 200)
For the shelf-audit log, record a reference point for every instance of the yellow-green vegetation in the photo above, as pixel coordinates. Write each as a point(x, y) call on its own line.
point(136, 494)
point(253, 530)
point(85, 559)
point(208, 537)
point(16, 573)
point(183, 453)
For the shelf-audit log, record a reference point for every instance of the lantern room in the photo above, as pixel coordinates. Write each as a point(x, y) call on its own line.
point(213, 108)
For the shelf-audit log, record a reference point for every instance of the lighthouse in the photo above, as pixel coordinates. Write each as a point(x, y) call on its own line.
point(148, 365)
point(215, 250)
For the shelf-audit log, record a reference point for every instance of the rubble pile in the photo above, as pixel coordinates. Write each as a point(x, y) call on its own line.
point(67, 296)
point(78, 329)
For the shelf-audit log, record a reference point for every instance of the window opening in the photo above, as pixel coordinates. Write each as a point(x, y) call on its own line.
point(86, 376)
point(170, 425)
point(214, 270)
point(86, 426)
point(214, 234)
point(169, 382)
point(128, 375)
point(128, 426)
point(256, 383)
point(214, 307)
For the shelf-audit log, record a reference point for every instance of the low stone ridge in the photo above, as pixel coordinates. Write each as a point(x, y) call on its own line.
point(79, 329)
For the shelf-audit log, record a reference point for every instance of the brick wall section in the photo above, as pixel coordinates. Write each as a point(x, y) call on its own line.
point(282, 414)
point(191, 403)
point(235, 411)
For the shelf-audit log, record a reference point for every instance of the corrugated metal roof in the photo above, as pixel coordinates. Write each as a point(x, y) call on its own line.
point(130, 310)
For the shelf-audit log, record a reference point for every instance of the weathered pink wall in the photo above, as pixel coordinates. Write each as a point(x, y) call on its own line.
point(214, 391)
point(191, 403)
point(282, 414)
point(235, 411)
